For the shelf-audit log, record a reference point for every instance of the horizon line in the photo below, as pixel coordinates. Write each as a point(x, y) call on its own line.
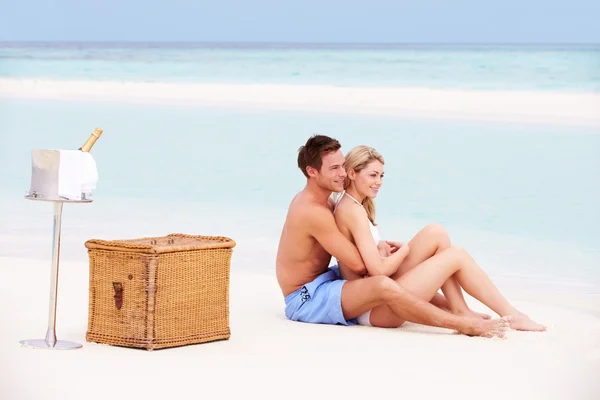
point(288, 42)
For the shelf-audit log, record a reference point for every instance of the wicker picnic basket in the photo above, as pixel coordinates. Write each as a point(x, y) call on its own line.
point(159, 292)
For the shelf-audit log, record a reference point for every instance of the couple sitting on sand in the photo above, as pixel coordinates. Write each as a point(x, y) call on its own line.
point(375, 283)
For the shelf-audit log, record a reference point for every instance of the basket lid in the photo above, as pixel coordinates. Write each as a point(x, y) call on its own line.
point(171, 243)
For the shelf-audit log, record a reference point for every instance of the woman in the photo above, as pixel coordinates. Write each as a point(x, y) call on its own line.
point(424, 265)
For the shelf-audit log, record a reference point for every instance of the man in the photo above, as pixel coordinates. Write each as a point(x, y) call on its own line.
point(315, 293)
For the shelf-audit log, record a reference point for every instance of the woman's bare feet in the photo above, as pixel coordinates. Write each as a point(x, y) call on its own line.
point(487, 327)
point(522, 322)
point(519, 321)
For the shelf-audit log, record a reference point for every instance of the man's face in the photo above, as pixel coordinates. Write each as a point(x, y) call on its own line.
point(332, 174)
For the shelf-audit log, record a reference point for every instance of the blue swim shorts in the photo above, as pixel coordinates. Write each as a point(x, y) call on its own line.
point(320, 301)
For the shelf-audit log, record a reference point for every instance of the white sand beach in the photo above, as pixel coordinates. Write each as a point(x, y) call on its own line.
point(519, 106)
point(271, 357)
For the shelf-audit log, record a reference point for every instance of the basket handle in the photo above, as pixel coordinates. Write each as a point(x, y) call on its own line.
point(170, 241)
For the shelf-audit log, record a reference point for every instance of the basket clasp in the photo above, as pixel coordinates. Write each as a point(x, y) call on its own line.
point(118, 286)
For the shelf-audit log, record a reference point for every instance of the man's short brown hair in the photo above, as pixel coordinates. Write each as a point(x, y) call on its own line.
point(311, 153)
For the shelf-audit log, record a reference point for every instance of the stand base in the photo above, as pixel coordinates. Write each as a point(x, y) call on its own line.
point(42, 344)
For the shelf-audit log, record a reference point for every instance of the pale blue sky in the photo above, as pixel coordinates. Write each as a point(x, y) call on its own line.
point(414, 21)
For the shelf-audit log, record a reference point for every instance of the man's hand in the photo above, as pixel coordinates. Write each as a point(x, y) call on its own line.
point(394, 246)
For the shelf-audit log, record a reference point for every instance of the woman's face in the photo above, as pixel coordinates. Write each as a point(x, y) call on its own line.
point(369, 180)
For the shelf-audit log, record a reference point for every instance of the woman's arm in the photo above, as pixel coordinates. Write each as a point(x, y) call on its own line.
point(358, 225)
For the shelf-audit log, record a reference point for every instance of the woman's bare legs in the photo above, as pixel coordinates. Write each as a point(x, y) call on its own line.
point(425, 279)
point(428, 242)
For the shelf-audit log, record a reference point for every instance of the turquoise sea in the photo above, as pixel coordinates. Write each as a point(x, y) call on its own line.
point(523, 198)
point(484, 67)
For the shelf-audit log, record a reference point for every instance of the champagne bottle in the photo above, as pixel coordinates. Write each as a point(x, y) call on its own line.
point(87, 146)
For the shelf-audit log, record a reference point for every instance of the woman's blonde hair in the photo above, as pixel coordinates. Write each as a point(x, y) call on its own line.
point(357, 159)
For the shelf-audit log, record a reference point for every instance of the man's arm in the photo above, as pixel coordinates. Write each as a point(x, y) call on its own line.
point(323, 228)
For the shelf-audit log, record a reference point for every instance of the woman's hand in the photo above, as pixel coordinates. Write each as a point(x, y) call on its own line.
point(385, 250)
point(394, 246)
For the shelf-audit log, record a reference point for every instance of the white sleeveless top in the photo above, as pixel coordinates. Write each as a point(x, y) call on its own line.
point(374, 230)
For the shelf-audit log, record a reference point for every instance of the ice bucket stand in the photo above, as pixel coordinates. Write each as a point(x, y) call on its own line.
point(50, 342)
